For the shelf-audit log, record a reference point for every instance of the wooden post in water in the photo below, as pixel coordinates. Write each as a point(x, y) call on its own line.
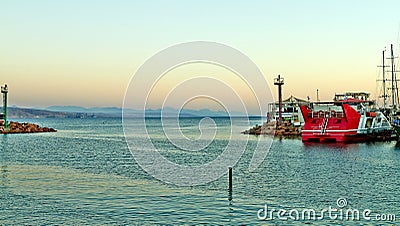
point(230, 183)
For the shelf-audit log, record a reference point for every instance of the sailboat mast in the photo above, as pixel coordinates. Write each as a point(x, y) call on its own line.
point(384, 79)
point(393, 78)
point(396, 88)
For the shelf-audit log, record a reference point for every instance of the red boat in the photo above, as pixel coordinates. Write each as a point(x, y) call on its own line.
point(344, 120)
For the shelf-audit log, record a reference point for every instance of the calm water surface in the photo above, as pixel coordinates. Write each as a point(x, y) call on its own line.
point(85, 174)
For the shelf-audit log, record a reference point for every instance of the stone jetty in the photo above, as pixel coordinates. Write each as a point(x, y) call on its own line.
point(17, 127)
point(286, 129)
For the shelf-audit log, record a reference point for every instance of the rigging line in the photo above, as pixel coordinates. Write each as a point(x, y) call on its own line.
point(395, 74)
point(398, 40)
point(397, 90)
point(378, 88)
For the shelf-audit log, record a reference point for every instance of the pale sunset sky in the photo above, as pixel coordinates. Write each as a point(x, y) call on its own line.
point(85, 52)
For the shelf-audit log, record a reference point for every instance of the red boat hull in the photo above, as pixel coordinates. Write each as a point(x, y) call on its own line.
point(332, 126)
point(346, 138)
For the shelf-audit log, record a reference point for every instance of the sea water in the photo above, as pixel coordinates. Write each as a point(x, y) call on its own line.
point(85, 174)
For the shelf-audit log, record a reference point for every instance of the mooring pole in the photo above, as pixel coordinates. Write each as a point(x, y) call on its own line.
point(279, 82)
point(4, 91)
point(230, 183)
point(230, 178)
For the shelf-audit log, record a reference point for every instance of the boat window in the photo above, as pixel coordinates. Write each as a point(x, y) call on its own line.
point(340, 115)
point(368, 123)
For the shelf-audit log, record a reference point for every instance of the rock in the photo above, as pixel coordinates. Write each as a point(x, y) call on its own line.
point(17, 127)
point(286, 129)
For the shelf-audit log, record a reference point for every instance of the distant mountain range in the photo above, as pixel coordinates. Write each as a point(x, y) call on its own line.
point(82, 112)
point(16, 112)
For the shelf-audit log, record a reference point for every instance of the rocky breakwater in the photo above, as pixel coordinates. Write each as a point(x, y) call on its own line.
point(286, 129)
point(17, 127)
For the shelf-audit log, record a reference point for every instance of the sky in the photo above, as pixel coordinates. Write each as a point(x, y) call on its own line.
point(85, 52)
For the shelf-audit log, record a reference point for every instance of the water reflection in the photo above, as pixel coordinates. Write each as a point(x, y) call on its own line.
point(331, 146)
point(397, 145)
point(4, 175)
point(3, 166)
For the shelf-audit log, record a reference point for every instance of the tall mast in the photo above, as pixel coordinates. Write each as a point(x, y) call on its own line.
point(383, 79)
point(393, 78)
point(396, 88)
